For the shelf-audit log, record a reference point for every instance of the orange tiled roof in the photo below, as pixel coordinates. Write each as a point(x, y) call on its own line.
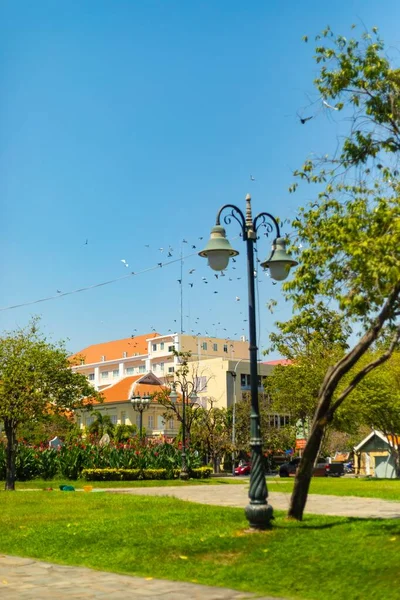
point(280, 361)
point(122, 390)
point(115, 349)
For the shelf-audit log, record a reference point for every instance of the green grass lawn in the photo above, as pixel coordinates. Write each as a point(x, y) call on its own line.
point(40, 484)
point(321, 558)
point(388, 489)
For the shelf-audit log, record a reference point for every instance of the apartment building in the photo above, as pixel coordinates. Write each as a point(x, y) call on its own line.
point(107, 363)
point(219, 368)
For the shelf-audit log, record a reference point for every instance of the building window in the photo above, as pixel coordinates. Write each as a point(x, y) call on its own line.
point(171, 348)
point(123, 417)
point(89, 421)
point(154, 347)
point(171, 424)
point(171, 369)
point(201, 384)
point(162, 366)
point(104, 374)
point(150, 421)
point(113, 419)
point(115, 373)
point(82, 361)
point(142, 369)
point(215, 347)
point(162, 346)
point(129, 371)
point(124, 354)
point(91, 376)
point(225, 347)
point(204, 345)
point(103, 358)
point(79, 422)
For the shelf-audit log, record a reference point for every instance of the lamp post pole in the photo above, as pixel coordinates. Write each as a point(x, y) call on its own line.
point(218, 251)
point(140, 404)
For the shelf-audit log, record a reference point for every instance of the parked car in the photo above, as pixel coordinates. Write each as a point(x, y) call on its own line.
point(244, 469)
point(290, 468)
point(334, 469)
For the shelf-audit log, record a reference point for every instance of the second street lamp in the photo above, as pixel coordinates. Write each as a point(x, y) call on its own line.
point(218, 251)
point(140, 404)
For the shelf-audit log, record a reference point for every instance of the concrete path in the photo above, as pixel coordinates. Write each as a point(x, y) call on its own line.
point(237, 495)
point(28, 579)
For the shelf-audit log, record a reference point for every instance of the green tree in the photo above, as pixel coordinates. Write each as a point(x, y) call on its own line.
point(351, 232)
point(211, 433)
point(35, 380)
point(102, 424)
point(377, 402)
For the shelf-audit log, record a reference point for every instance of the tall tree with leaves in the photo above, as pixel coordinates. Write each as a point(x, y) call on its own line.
point(351, 232)
point(35, 379)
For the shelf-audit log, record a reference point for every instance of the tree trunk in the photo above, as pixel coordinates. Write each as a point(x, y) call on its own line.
point(305, 470)
point(11, 433)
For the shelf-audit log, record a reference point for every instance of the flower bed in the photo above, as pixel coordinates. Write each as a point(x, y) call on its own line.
point(72, 459)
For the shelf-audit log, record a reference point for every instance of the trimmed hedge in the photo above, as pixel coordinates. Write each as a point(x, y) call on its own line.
point(139, 474)
point(123, 474)
point(201, 473)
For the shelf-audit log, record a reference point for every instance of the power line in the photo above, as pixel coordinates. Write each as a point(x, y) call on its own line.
point(96, 285)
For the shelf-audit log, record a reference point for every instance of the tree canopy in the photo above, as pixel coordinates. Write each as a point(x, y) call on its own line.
point(350, 232)
point(35, 380)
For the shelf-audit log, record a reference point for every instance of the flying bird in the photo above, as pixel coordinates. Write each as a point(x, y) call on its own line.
point(184, 242)
point(161, 249)
point(193, 247)
point(252, 178)
point(215, 292)
point(233, 259)
point(324, 102)
point(124, 262)
point(237, 298)
point(191, 284)
point(169, 255)
point(179, 280)
point(59, 292)
point(304, 120)
point(200, 238)
point(191, 271)
point(159, 264)
point(204, 278)
point(215, 275)
point(86, 243)
point(147, 245)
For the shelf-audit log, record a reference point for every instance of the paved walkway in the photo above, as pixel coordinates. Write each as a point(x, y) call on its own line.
point(28, 579)
point(237, 495)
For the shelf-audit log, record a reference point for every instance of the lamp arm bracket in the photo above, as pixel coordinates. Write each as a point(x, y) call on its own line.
point(235, 213)
point(261, 221)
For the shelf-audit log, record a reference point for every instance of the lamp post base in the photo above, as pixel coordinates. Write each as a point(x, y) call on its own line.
point(259, 516)
point(184, 475)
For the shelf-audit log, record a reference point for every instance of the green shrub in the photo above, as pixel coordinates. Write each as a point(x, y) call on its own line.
point(201, 473)
point(123, 474)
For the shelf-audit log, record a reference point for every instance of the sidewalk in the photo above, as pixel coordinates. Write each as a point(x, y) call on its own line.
point(29, 579)
point(237, 495)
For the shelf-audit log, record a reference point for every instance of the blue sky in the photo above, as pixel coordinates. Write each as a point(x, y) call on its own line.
point(129, 124)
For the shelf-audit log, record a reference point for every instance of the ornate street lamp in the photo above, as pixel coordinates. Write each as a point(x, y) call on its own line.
point(140, 404)
point(191, 397)
point(218, 251)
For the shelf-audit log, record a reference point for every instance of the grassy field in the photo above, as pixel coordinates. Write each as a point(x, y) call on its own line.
point(388, 489)
point(40, 484)
point(322, 557)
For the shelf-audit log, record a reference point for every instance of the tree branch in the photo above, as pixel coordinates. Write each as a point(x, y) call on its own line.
point(342, 367)
point(367, 369)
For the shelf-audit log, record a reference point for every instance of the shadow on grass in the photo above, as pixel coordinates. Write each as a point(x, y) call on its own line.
point(388, 525)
